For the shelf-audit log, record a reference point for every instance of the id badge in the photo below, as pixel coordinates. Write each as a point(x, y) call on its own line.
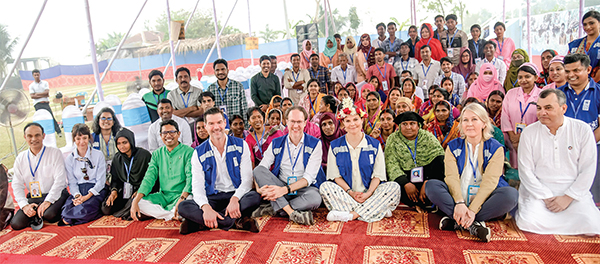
point(471, 192)
point(598, 55)
point(298, 91)
point(366, 66)
point(384, 84)
point(35, 191)
point(586, 105)
point(450, 52)
point(477, 60)
point(127, 190)
point(223, 108)
point(391, 61)
point(519, 127)
point(108, 165)
point(330, 66)
point(290, 180)
point(416, 174)
point(425, 84)
point(501, 58)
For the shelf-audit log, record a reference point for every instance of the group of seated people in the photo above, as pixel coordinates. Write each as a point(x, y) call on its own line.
point(358, 146)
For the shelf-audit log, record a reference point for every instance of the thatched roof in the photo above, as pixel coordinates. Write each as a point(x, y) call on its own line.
point(192, 45)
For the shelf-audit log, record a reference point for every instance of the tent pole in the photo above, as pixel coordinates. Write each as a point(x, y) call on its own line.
point(215, 43)
point(16, 62)
point(171, 41)
point(529, 26)
point(331, 15)
point(287, 22)
point(179, 41)
point(581, 4)
point(326, 20)
point(93, 52)
point(250, 30)
point(217, 34)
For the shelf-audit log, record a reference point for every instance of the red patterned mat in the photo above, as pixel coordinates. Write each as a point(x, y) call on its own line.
point(406, 237)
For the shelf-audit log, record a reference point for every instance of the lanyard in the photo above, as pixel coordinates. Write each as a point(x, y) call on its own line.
point(392, 45)
point(311, 104)
point(296, 76)
point(373, 125)
point(473, 167)
point(307, 60)
point(449, 45)
point(318, 73)
point(157, 98)
point(523, 113)
point(128, 169)
point(423, 68)
point(575, 110)
point(435, 132)
point(38, 163)
point(259, 143)
point(351, 58)
point(367, 55)
point(430, 40)
point(413, 155)
point(476, 44)
point(500, 45)
point(290, 154)
point(222, 99)
point(384, 70)
point(402, 64)
point(344, 73)
point(188, 99)
point(107, 144)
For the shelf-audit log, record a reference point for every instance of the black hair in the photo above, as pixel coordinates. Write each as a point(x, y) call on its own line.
point(342, 89)
point(551, 51)
point(380, 25)
point(33, 124)
point(470, 100)
point(436, 17)
point(287, 99)
point(445, 59)
point(445, 103)
point(169, 122)
point(206, 94)
point(489, 42)
point(220, 61)
point(413, 27)
point(313, 55)
point(396, 89)
point(477, 26)
point(442, 91)
point(272, 57)
point(499, 24)
point(35, 71)
point(527, 69)
point(452, 16)
point(391, 24)
point(425, 46)
point(234, 117)
point(406, 71)
point(404, 44)
point(496, 92)
point(180, 69)
point(155, 72)
point(388, 111)
point(80, 129)
point(575, 57)
point(312, 80)
point(214, 111)
point(275, 110)
point(379, 49)
point(593, 14)
point(376, 94)
point(96, 125)
point(330, 100)
point(447, 79)
point(264, 58)
point(253, 109)
point(277, 99)
point(294, 55)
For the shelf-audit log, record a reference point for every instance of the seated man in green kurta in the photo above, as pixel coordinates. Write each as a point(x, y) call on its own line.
point(171, 165)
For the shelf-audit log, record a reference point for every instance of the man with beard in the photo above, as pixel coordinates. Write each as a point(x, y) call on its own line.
point(159, 92)
point(231, 96)
point(185, 98)
point(165, 112)
point(295, 80)
point(264, 85)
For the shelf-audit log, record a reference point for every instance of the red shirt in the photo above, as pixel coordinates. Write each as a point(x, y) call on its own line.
point(386, 71)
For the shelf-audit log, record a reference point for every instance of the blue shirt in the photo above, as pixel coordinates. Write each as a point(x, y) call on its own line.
point(584, 106)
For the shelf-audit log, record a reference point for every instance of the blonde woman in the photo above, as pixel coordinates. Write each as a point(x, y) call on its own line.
point(474, 190)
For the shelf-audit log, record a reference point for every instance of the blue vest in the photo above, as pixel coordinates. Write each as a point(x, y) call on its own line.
point(96, 142)
point(457, 146)
point(593, 52)
point(233, 157)
point(310, 143)
point(366, 160)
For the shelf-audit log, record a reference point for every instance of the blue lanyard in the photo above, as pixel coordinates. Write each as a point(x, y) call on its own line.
point(452, 41)
point(38, 163)
point(307, 60)
point(318, 73)
point(575, 110)
point(296, 76)
point(521, 109)
point(188, 99)
point(128, 169)
point(367, 55)
point(473, 167)
point(500, 45)
point(423, 68)
point(351, 58)
point(435, 132)
point(157, 98)
point(107, 144)
point(373, 125)
point(413, 155)
point(290, 154)
point(311, 104)
point(222, 99)
point(402, 64)
point(258, 143)
point(344, 72)
point(384, 70)
point(476, 44)
point(430, 40)
point(392, 45)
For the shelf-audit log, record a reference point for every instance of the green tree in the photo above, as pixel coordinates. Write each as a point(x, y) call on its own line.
point(354, 20)
point(270, 35)
point(458, 7)
point(340, 21)
point(6, 48)
point(401, 25)
point(112, 40)
point(201, 25)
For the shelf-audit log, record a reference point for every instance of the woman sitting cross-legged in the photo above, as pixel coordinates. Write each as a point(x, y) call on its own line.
point(356, 166)
point(474, 190)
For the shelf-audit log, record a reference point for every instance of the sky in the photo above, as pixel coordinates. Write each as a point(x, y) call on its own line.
point(62, 33)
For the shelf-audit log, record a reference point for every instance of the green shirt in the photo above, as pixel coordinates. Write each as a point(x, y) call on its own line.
point(398, 158)
point(174, 172)
point(151, 99)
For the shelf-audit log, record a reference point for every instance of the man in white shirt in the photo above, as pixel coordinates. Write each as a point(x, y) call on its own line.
point(165, 112)
point(39, 91)
point(343, 73)
point(296, 161)
point(221, 182)
point(557, 158)
point(39, 170)
point(404, 62)
point(489, 50)
point(295, 80)
point(457, 79)
point(427, 70)
point(378, 42)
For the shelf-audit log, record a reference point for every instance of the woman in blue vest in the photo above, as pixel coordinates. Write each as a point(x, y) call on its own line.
point(104, 129)
point(474, 189)
point(357, 189)
point(590, 44)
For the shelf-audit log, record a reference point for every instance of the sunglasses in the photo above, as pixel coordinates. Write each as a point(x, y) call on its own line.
point(106, 118)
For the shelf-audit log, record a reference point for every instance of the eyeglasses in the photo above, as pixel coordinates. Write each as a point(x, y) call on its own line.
point(171, 132)
point(106, 118)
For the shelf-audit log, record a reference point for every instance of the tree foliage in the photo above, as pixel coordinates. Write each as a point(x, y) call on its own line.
point(344, 25)
point(270, 35)
point(446, 7)
point(201, 25)
point(112, 40)
point(6, 48)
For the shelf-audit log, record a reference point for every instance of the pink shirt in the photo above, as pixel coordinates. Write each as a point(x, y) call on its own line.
point(505, 49)
point(511, 112)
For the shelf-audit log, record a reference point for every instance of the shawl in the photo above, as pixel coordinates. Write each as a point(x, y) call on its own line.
point(372, 121)
point(462, 68)
point(446, 135)
point(326, 140)
point(437, 52)
point(544, 76)
point(397, 155)
point(511, 74)
point(197, 140)
point(350, 52)
point(360, 102)
point(480, 89)
point(272, 104)
point(368, 50)
point(306, 53)
point(329, 52)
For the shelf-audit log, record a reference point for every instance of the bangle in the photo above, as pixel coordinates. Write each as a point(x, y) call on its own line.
point(460, 203)
point(288, 188)
point(348, 191)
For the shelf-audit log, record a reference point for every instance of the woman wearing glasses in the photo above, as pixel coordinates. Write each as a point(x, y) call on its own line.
point(86, 176)
point(105, 128)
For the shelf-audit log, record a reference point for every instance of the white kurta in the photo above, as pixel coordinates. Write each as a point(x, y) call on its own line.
point(555, 165)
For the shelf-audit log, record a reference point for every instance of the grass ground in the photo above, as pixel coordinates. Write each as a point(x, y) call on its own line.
point(6, 151)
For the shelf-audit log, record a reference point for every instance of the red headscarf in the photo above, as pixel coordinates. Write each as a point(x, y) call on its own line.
point(368, 50)
point(437, 52)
